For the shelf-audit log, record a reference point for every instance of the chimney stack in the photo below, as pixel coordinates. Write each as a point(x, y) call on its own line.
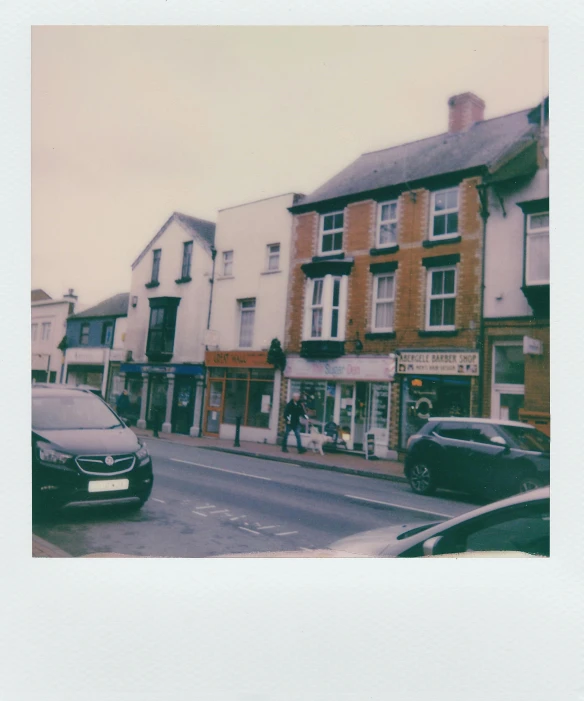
point(464, 110)
point(70, 295)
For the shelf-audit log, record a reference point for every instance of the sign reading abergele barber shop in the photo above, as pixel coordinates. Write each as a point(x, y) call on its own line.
point(438, 363)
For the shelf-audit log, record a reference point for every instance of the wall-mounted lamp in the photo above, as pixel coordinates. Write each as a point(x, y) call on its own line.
point(134, 301)
point(358, 343)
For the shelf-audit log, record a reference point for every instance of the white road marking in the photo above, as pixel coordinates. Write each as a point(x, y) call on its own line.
point(198, 514)
point(248, 530)
point(399, 506)
point(207, 506)
point(158, 500)
point(235, 518)
point(220, 511)
point(263, 528)
point(308, 549)
point(222, 469)
point(287, 533)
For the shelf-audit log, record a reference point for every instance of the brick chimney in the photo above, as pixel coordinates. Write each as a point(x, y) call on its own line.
point(463, 111)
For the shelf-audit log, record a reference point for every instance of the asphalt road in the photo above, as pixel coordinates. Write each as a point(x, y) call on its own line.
point(208, 503)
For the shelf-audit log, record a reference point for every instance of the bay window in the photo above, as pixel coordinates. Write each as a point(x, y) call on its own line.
point(326, 308)
point(537, 249)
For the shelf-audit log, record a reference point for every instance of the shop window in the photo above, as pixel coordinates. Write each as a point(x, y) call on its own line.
point(248, 395)
point(441, 299)
point(331, 232)
point(246, 322)
point(387, 224)
point(444, 214)
point(318, 399)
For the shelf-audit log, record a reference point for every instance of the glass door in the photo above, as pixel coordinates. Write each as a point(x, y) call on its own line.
point(214, 406)
point(378, 413)
point(346, 412)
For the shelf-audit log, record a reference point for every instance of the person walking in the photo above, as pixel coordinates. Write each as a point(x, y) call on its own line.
point(293, 412)
point(123, 404)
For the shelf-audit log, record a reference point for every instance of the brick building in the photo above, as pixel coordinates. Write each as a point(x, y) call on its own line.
point(384, 324)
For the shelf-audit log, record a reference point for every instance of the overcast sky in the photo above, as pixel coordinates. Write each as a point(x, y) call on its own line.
point(132, 123)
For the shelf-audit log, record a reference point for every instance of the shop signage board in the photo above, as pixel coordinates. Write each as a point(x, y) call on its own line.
point(163, 369)
point(377, 369)
point(92, 356)
point(235, 359)
point(438, 363)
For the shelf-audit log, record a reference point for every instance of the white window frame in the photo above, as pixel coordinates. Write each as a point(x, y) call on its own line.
point(246, 310)
point(430, 297)
point(327, 307)
point(497, 389)
point(228, 262)
point(33, 332)
point(45, 331)
point(388, 300)
point(316, 307)
point(331, 232)
point(380, 222)
point(535, 233)
point(271, 256)
point(451, 210)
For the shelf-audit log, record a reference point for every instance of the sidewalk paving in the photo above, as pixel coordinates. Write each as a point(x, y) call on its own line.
point(347, 463)
point(42, 548)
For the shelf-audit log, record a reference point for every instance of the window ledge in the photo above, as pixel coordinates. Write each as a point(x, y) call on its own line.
point(224, 277)
point(438, 332)
point(430, 243)
point(182, 280)
point(379, 335)
point(152, 283)
point(335, 255)
point(270, 272)
point(383, 250)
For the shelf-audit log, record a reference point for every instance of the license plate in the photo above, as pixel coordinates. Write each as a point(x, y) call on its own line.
point(108, 485)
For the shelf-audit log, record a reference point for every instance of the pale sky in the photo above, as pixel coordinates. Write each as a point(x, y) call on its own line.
point(132, 123)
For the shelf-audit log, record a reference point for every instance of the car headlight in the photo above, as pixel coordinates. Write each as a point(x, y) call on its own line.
point(48, 454)
point(142, 454)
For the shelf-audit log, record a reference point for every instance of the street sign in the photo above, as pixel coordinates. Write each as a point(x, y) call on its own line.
point(531, 346)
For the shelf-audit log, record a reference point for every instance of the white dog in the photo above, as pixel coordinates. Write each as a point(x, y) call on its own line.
point(318, 439)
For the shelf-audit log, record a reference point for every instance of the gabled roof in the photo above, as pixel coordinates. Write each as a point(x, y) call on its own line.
point(38, 295)
point(481, 145)
point(113, 306)
point(200, 229)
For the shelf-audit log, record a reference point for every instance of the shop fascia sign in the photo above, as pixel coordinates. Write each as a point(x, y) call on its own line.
point(380, 369)
point(531, 346)
point(163, 369)
point(438, 363)
point(85, 355)
point(234, 359)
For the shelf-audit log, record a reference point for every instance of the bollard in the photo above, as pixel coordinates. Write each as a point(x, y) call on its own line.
point(237, 426)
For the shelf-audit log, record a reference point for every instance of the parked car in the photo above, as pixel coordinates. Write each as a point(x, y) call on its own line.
point(82, 452)
point(477, 456)
point(517, 524)
point(83, 388)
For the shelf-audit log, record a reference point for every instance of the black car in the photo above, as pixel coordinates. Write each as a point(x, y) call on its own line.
point(483, 456)
point(82, 452)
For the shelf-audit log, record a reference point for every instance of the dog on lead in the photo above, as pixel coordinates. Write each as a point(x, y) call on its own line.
point(317, 440)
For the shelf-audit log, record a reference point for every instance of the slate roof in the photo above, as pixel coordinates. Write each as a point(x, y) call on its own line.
point(484, 144)
point(38, 295)
point(113, 306)
point(200, 229)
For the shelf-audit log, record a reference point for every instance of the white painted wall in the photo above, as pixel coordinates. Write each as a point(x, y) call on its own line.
point(54, 312)
point(194, 305)
point(120, 329)
point(247, 230)
point(504, 250)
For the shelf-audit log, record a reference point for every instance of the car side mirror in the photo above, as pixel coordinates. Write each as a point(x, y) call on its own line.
point(429, 545)
point(499, 440)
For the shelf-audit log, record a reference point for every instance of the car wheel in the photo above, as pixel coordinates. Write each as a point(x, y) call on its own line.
point(527, 483)
point(421, 479)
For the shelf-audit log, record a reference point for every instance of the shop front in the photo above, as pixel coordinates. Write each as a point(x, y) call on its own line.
point(434, 383)
point(241, 385)
point(164, 397)
point(352, 392)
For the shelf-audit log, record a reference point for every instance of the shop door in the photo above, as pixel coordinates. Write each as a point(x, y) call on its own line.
point(214, 407)
point(183, 404)
point(157, 390)
point(378, 413)
point(346, 412)
point(359, 426)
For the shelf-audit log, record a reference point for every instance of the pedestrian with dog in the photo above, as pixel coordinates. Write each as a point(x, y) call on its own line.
point(293, 412)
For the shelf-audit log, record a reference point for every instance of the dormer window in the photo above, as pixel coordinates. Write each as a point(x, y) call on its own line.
point(331, 232)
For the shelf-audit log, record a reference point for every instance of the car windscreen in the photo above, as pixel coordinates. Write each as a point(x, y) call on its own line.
point(527, 438)
point(81, 410)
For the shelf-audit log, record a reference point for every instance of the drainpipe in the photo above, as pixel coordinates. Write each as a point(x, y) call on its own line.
point(212, 283)
point(484, 214)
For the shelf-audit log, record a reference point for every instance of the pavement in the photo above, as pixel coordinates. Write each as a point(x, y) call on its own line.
point(347, 463)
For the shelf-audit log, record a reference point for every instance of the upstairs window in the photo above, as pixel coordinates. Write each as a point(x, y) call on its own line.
point(161, 330)
point(107, 332)
point(387, 224)
point(84, 335)
point(33, 331)
point(383, 301)
point(444, 214)
point(186, 261)
point(246, 322)
point(228, 263)
point(441, 299)
point(273, 256)
point(155, 265)
point(537, 249)
point(326, 306)
point(316, 310)
point(331, 234)
point(46, 331)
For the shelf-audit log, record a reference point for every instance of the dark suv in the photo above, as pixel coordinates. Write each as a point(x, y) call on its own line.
point(477, 456)
point(82, 452)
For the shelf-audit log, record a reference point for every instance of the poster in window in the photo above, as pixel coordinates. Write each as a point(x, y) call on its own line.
point(266, 403)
